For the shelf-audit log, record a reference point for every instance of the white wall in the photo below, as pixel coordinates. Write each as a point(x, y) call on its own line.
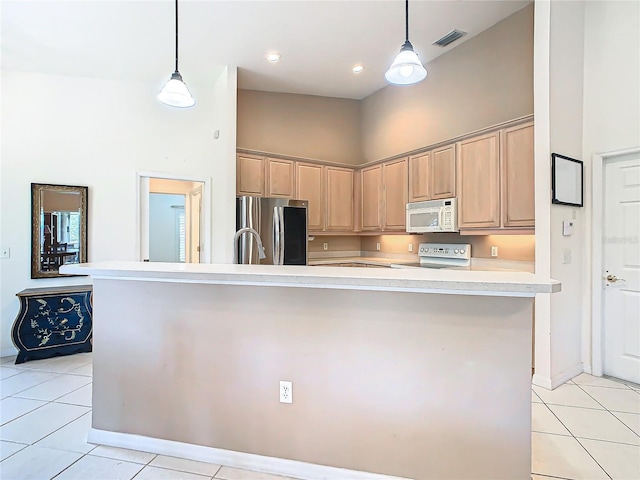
point(566, 85)
point(99, 133)
point(587, 100)
point(611, 106)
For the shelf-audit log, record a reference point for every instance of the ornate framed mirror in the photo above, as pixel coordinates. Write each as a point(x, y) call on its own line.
point(59, 228)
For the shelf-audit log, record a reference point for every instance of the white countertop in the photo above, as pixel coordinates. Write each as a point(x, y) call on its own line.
point(495, 283)
point(481, 264)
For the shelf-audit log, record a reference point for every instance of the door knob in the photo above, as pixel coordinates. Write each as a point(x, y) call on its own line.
point(614, 279)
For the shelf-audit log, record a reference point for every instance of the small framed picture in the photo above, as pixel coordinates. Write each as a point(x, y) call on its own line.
point(567, 181)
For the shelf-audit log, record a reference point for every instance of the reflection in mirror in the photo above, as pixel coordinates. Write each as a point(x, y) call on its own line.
point(59, 228)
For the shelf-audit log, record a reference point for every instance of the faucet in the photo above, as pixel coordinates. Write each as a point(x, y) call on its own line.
point(250, 230)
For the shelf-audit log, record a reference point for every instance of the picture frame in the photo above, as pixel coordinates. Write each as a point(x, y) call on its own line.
point(567, 180)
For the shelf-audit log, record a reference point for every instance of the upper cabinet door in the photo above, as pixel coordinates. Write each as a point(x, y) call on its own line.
point(371, 197)
point(280, 175)
point(419, 181)
point(395, 179)
point(309, 183)
point(443, 172)
point(250, 175)
point(339, 198)
point(518, 205)
point(479, 182)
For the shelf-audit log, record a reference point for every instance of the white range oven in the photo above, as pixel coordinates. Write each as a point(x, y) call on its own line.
point(432, 216)
point(441, 255)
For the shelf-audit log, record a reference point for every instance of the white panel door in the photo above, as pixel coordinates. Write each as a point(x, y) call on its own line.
point(621, 240)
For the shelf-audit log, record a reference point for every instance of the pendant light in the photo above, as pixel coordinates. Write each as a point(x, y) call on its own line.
point(407, 68)
point(175, 93)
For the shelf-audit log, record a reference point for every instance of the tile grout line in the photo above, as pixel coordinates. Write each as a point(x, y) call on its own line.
point(33, 386)
point(574, 437)
point(17, 451)
point(25, 413)
point(68, 466)
point(610, 412)
point(55, 400)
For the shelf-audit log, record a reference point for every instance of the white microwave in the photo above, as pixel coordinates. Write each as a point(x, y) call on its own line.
point(432, 216)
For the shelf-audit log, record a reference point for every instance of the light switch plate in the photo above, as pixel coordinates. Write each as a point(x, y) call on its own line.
point(567, 228)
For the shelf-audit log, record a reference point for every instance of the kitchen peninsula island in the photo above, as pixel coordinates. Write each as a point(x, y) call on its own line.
point(410, 373)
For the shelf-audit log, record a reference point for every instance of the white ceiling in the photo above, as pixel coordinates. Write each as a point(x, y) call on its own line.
point(320, 41)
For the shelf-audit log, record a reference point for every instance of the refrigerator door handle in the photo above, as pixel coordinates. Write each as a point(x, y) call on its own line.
point(278, 236)
point(282, 234)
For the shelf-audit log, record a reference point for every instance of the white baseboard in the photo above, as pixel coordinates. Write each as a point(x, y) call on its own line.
point(540, 381)
point(587, 369)
point(556, 381)
point(230, 458)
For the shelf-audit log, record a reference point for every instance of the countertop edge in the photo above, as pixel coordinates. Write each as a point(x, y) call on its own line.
point(396, 280)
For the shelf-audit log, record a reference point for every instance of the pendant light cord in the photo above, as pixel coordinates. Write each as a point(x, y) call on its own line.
point(406, 20)
point(176, 36)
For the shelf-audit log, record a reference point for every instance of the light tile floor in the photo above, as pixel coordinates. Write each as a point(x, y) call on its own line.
point(587, 429)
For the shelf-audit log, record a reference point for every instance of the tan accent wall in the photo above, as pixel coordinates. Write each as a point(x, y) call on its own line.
point(304, 126)
point(510, 247)
point(383, 382)
point(484, 81)
point(336, 244)
point(166, 185)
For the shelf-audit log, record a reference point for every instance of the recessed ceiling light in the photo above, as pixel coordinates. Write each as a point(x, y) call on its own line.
point(273, 57)
point(358, 69)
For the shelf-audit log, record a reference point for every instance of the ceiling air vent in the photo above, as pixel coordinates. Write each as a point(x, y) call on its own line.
point(450, 37)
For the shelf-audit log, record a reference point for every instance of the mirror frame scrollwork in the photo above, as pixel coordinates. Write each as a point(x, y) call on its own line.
point(36, 207)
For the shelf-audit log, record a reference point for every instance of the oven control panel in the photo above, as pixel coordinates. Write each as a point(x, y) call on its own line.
point(445, 250)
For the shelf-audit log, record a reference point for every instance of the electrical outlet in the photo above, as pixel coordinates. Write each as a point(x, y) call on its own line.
point(378, 246)
point(325, 246)
point(286, 392)
point(566, 256)
point(5, 252)
point(494, 251)
point(411, 247)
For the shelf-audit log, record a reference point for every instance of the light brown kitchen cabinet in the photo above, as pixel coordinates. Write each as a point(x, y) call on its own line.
point(371, 189)
point(442, 173)
point(310, 187)
point(339, 198)
point(280, 178)
point(479, 182)
point(250, 175)
point(518, 205)
point(432, 174)
point(419, 177)
point(395, 183)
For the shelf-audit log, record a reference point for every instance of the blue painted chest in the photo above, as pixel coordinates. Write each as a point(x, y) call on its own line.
point(53, 321)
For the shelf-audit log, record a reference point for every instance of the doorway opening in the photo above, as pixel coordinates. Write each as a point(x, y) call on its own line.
point(173, 217)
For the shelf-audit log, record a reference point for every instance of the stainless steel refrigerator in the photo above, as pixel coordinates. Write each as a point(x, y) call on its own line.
point(283, 228)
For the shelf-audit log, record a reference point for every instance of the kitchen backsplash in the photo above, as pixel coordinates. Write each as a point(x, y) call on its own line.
point(345, 243)
point(510, 247)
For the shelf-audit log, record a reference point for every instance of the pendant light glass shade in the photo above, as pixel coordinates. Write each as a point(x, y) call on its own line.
point(407, 68)
point(175, 93)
